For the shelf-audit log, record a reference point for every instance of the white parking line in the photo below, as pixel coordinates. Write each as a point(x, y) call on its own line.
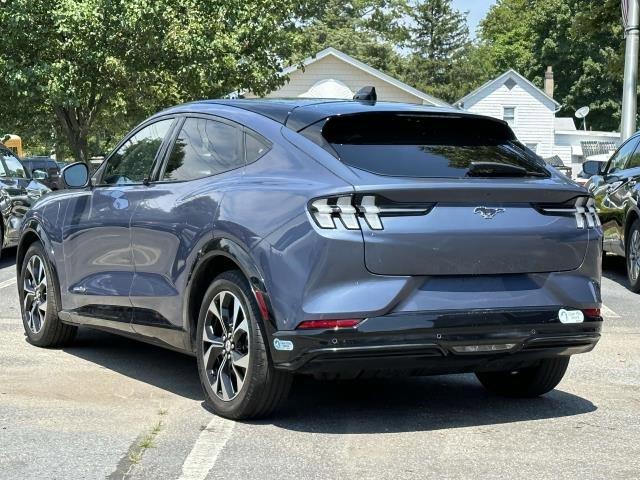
point(608, 313)
point(8, 283)
point(205, 451)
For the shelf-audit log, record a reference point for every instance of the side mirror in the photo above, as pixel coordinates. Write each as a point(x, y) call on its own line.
point(592, 167)
point(75, 175)
point(39, 174)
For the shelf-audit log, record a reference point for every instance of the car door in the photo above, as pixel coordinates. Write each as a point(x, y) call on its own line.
point(611, 192)
point(96, 232)
point(176, 219)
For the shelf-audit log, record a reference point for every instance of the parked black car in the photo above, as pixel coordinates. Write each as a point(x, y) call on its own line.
point(45, 170)
point(616, 190)
point(17, 192)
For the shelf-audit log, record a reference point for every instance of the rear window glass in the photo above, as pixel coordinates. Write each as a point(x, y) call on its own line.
point(415, 145)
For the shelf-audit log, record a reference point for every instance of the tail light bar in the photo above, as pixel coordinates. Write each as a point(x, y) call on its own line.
point(348, 209)
point(328, 324)
point(582, 208)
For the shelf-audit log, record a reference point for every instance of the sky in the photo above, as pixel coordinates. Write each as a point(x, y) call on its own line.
point(477, 10)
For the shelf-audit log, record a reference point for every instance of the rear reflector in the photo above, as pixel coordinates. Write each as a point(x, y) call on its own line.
point(327, 324)
point(592, 312)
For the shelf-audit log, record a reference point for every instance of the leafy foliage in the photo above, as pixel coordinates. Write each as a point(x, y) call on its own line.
point(77, 63)
point(581, 39)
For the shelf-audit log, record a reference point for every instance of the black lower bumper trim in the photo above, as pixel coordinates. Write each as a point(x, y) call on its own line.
point(443, 342)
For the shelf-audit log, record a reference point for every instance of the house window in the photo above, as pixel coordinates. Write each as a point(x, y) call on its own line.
point(509, 115)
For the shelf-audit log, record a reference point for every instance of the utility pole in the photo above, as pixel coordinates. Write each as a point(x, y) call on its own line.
point(629, 91)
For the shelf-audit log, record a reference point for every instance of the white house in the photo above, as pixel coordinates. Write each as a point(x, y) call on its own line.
point(528, 110)
point(531, 112)
point(334, 74)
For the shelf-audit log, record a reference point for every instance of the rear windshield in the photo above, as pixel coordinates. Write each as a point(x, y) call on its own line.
point(415, 145)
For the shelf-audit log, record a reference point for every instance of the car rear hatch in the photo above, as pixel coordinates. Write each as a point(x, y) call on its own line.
point(454, 194)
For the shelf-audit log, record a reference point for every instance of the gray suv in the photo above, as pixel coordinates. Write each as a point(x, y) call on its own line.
point(339, 238)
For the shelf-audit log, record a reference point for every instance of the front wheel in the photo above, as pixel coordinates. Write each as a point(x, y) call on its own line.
point(526, 382)
point(633, 257)
point(235, 370)
point(40, 303)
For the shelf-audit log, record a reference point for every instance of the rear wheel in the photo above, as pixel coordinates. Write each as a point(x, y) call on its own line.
point(235, 370)
point(526, 382)
point(39, 301)
point(633, 256)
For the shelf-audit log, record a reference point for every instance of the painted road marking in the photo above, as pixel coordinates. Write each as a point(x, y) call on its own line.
point(8, 283)
point(205, 451)
point(608, 313)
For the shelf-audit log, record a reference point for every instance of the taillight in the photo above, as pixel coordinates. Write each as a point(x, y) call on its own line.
point(583, 209)
point(347, 210)
point(592, 312)
point(328, 324)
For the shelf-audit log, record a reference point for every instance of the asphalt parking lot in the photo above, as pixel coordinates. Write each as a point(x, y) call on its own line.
point(109, 407)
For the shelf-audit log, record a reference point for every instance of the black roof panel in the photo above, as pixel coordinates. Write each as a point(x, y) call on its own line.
point(298, 113)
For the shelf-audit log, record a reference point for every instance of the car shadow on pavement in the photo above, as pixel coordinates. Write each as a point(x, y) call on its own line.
point(360, 406)
point(615, 268)
point(8, 258)
point(413, 404)
point(162, 368)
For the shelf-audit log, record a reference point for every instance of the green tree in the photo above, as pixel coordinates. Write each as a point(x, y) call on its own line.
point(368, 30)
point(75, 64)
point(443, 61)
point(581, 39)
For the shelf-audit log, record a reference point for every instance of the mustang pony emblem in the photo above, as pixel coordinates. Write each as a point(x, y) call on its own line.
point(487, 213)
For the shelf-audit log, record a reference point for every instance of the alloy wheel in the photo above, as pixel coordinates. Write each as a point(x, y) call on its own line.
point(634, 257)
point(35, 294)
point(226, 343)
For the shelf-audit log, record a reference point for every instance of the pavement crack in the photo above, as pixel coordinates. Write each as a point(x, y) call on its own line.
point(142, 443)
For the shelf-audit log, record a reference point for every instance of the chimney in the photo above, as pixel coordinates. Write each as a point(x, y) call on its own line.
point(548, 82)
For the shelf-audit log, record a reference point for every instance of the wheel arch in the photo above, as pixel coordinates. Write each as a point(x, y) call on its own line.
point(33, 232)
point(218, 256)
point(633, 214)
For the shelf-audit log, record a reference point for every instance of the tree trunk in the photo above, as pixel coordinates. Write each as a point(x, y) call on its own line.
point(75, 129)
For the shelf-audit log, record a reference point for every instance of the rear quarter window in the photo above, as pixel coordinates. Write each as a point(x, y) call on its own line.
point(419, 145)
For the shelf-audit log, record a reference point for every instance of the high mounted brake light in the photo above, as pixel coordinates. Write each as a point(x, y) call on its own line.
point(583, 209)
point(345, 210)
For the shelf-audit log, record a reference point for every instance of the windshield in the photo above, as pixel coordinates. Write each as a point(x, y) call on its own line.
point(436, 146)
point(11, 166)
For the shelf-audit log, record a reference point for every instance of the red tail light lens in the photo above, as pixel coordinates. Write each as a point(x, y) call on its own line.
point(592, 312)
point(328, 324)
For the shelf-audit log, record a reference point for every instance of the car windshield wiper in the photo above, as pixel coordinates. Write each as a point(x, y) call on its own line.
point(495, 169)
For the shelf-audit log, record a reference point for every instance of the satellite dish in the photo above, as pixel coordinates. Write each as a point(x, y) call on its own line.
point(582, 113)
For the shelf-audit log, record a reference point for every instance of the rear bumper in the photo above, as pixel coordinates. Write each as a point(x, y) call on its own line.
point(432, 342)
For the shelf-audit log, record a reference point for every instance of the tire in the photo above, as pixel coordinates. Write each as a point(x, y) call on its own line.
point(632, 255)
point(40, 320)
point(526, 382)
point(236, 373)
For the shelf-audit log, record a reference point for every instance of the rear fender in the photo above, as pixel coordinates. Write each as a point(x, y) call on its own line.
point(230, 250)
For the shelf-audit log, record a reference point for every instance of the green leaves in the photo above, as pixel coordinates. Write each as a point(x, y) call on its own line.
point(96, 67)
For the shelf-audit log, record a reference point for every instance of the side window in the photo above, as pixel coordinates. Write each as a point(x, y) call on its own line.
point(255, 146)
point(133, 161)
point(619, 160)
point(204, 148)
point(3, 173)
point(634, 159)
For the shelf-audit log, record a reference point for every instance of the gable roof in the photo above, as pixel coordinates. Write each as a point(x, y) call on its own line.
point(330, 51)
point(511, 73)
